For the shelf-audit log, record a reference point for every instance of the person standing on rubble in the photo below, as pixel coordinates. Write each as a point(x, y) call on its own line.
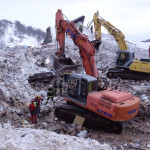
point(50, 94)
point(69, 74)
point(55, 87)
point(32, 109)
point(38, 100)
point(60, 87)
point(66, 74)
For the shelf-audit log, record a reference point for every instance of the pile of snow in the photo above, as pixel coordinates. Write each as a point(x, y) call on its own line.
point(25, 139)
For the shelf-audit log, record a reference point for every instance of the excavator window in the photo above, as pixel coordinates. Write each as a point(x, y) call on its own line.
point(83, 92)
point(123, 58)
point(73, 88)
point(92, 86)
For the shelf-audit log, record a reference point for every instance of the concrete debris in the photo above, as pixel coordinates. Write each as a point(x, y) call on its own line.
point(82, 134)
point(148, 145)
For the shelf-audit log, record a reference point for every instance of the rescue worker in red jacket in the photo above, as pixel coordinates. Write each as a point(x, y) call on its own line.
point(32, 109)
point(38, 100)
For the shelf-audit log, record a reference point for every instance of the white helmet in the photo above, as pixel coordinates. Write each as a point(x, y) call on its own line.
point(50, 86)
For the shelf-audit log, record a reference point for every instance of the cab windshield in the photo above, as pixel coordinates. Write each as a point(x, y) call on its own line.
point(92, 86)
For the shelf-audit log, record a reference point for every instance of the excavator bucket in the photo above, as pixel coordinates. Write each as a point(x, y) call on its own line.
point(96, 44)
point(64, 64)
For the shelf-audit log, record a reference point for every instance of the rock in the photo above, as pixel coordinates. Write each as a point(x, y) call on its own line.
point(148, 145)
point(15, 116)
point(144, 97)
point(48, 119)
point(63, 122)
point(95, 136)
point(10, 122)
point(82, 134)
point(6, 125)
point(71, 131)
point(19, 111)
point(137, 144)
point(79, 129)
point(25, 122)
point(45, 125)
point(46, 109)
point(73, 125)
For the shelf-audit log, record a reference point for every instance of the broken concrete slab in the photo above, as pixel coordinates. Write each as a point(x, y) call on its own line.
point(41, 77)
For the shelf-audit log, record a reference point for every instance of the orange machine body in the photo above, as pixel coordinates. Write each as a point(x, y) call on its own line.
point(114, 105)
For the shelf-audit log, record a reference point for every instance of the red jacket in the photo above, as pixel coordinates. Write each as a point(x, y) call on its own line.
point(38, 100)
point(32, 108)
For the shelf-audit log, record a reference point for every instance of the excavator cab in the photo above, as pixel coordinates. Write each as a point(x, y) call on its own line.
point(79, 86)
point(124, 59)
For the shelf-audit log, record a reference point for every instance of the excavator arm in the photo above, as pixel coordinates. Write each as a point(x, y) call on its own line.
point(86, 49)
point(116, 33)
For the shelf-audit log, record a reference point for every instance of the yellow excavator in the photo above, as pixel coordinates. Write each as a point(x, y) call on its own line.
point(126, 65)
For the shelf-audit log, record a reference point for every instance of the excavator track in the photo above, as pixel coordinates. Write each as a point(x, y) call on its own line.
point(92, 120)
point(127, 74)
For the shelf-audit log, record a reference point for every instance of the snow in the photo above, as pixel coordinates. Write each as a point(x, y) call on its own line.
point(12, 38)
point(27, 139)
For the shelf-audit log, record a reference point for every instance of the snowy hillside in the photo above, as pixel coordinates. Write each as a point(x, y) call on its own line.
point(12, 34)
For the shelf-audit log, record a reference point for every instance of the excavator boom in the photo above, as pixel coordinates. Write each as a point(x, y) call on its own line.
point(86, 49)
point(116, 33)
point(126, 65)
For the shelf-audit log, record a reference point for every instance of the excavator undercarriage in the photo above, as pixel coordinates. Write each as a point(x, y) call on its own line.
point(127, 74)
point(92, 120)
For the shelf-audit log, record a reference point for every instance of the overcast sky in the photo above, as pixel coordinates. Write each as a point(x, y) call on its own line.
point(130, 16)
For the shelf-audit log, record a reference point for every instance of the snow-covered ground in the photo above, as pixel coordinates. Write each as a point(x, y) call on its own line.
point(33, 139)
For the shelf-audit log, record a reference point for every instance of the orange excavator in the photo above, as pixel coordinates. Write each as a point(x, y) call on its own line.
point(105, 108)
